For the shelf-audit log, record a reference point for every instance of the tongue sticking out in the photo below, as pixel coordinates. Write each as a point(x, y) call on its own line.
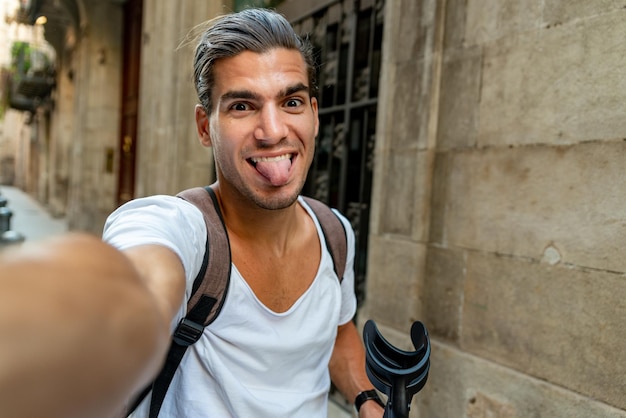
point(275, 170)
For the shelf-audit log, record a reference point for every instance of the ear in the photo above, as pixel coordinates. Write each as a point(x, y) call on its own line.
point(315, 115)
point(202, 126)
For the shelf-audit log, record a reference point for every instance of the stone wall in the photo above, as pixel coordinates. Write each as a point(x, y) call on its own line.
point(62, 125)
point(170, 157)
point(499, 211)
point(96, 101)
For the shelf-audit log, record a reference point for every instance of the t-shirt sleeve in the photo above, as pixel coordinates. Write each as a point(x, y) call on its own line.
point(161, 220)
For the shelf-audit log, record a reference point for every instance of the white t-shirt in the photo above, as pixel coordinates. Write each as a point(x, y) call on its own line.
point(251, 361)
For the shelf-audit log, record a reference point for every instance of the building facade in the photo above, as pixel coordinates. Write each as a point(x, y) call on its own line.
point(476, 146)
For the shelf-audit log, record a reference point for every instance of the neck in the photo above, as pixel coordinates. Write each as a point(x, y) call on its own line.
point(247, 221)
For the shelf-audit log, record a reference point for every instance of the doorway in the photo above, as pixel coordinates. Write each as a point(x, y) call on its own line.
point(131, 56)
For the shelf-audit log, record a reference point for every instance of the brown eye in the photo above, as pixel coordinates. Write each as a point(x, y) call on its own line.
point(293, 103)
point(240, 107)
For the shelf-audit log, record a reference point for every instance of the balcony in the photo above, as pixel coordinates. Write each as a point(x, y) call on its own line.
point(31, 78)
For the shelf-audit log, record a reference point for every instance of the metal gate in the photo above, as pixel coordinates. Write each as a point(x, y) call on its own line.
point(347, 36)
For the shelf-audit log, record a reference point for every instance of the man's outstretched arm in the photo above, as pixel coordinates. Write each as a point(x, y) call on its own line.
point(81, 325)
point(347, 369)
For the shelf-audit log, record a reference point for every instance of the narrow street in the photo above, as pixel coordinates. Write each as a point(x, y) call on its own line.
point(30, 218)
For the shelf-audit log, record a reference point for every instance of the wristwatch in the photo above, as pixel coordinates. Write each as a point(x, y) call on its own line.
point(367, 395)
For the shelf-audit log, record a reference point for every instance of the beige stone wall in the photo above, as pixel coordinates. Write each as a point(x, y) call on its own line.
point(97, 61)
point(499, 203)
point(170, 157)
point(62, 125)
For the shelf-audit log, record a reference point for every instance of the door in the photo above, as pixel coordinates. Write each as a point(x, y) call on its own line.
point(131, 55)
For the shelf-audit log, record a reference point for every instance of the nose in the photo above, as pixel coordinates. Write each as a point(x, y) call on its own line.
point(272, 126)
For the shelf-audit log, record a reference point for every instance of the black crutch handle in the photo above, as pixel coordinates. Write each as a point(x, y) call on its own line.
point(397, 373)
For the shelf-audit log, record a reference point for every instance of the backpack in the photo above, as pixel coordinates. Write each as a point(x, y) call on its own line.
point(211, 284)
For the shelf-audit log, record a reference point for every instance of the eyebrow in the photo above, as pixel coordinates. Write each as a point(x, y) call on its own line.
point(239, 94)
point(250, 95)
point(296, 88)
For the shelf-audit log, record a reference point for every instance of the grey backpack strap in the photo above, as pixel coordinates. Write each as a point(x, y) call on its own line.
point(334, 234)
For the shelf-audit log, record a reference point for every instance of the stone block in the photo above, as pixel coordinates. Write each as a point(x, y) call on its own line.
point(561, 85)
point(564, 204)
point(481, 405)
point(462, 385)
point(411, 29)
point(440, 198)
point(455, 23)
point(442, 294)
point(459, 98)
point(557, 12)
point(393, 283)
point(422, 173)
point(408, 112)
point(405, 195)
point(559, 324)
point(408, 53)
point(398, 215)
point(384, 113)
point(493, 19)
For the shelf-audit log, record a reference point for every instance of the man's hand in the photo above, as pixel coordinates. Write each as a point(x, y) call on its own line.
point(80, 329)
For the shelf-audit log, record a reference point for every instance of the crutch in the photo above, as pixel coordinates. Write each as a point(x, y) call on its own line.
point(397, 373)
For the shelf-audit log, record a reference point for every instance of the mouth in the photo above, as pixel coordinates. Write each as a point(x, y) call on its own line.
point(255, 160)
point(275, 169)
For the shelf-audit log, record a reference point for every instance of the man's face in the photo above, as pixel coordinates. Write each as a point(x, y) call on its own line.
point(263, 126)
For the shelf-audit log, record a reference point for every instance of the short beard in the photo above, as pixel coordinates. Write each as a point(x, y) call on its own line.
point(274, 203)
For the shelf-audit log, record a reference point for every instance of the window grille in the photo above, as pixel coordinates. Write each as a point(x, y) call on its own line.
point(347, 37)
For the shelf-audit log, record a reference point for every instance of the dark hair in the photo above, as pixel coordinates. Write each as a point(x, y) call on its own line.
point(257, 30)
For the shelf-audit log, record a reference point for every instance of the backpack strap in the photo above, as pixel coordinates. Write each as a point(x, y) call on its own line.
point(207, 296)
point(334, 234)
point(217, 251)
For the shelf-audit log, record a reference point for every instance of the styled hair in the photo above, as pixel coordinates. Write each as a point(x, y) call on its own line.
point(255, 29)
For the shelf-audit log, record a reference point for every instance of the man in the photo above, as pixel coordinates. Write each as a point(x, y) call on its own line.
point(286, 313)
point(285, 328)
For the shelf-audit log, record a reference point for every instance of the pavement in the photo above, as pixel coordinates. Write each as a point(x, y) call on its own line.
point(33, 221)
point(30, 219)
point(336, 411)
